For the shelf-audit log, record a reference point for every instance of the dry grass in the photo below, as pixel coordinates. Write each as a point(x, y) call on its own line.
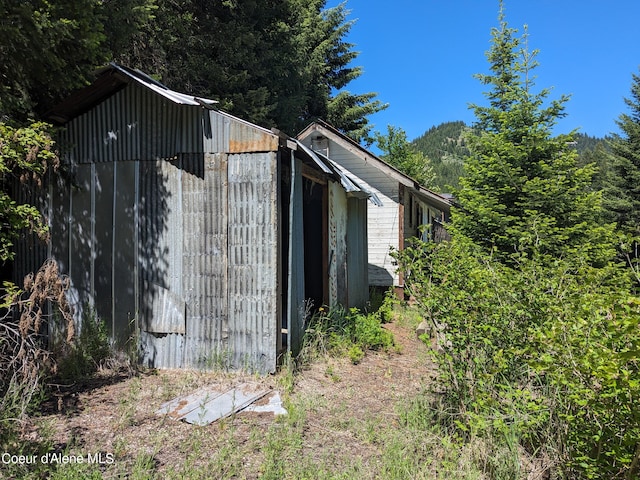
point(344, 421)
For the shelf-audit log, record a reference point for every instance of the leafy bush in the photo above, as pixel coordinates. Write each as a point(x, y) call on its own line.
point(546, 350)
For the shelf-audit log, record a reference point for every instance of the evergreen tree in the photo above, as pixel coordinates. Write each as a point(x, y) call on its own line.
point(399, 152)
point(46, 50)
point(275, 63)
point(622, 198)
point(523, 191)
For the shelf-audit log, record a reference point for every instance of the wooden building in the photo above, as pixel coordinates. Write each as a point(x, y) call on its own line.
point(406, 206)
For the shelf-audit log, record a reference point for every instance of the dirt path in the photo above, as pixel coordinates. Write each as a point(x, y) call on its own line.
point(343, 406)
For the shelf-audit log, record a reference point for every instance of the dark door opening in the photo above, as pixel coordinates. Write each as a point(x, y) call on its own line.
point(315, 233)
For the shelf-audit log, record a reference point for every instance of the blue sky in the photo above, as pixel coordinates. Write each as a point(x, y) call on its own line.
point(420, 57)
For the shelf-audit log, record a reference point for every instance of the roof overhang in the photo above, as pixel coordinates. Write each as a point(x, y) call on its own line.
point(326, 130)
point(109, 80)
point(352, 186)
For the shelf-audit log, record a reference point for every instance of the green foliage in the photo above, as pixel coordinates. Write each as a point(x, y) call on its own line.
point(347, 332)
point(536, 327)
point(399, 152)
point(524, 190)
point(88, 350)
point(48, 49)
point(277, 64)
point(545, 354)
point(445, 146)
point(26, 154)
point(623, 195)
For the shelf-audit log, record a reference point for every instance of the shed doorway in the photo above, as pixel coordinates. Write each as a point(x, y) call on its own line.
point(314, 201)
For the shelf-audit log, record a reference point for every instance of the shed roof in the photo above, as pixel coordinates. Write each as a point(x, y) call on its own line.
point(328, 130)
point(109, 80)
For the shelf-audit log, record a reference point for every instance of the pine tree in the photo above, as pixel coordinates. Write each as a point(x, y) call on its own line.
point(275, 63)
point(622, 198)
point(523, 191)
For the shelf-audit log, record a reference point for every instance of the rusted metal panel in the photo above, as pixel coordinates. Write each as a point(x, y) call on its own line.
point(253, 260)
point(245, 137)
point(209, 404)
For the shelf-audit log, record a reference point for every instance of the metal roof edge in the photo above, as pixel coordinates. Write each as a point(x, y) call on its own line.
point(354, 147)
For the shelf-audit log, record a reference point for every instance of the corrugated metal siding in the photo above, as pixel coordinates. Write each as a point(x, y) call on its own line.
point(216, 132)
point(187, 242)
point(30, 251)
point(205, 262)
point(82, 241)
point(160, 254)
point(135, 124)
point(253, 259)
point(225, 133)
point(124, 256)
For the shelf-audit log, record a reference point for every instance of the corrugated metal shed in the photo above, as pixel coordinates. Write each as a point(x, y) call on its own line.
point(184, 226)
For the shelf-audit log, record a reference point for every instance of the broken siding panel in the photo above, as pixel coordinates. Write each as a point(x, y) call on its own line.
point(253, 260)
point(205, 262)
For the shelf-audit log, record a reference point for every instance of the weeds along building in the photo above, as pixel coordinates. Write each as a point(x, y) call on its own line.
point(196, 235)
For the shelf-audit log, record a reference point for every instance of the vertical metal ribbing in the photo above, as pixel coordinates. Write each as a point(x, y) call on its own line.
point(113, 249)
point(136, 247)
point(92, 287)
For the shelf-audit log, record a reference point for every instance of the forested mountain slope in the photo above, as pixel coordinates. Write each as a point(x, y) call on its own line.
point(444, 145)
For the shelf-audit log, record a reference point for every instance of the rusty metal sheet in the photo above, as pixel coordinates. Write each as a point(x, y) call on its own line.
point(245, 137)
point(273, 405)
point(209, 404)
